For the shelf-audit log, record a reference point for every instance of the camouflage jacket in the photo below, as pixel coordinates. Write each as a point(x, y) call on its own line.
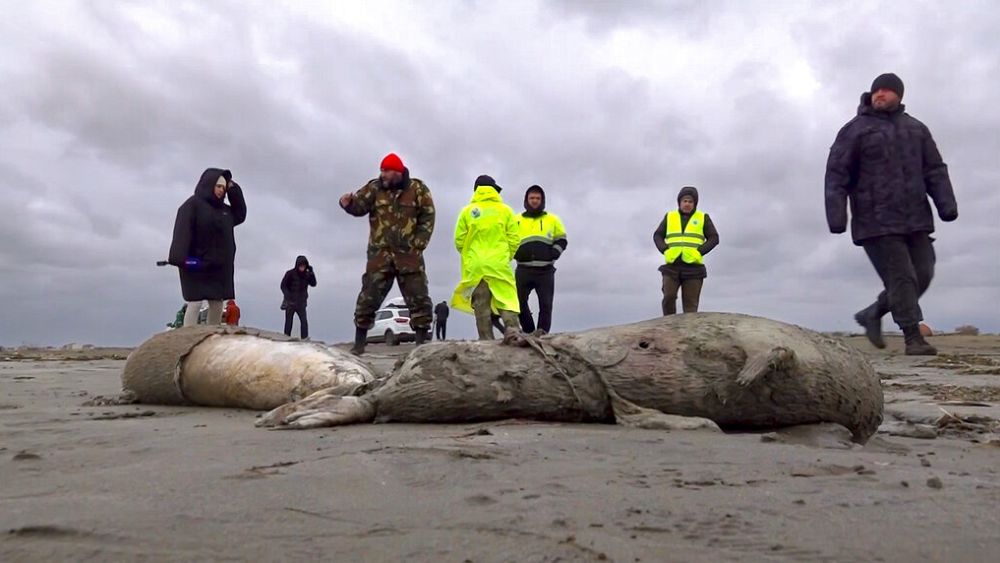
point(402, 222)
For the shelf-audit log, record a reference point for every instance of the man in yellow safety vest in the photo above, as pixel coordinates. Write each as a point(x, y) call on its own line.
point(684, 237)
point(486, 236)
point(543, 240)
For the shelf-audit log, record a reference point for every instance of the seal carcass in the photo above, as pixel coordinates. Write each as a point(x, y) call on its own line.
point(239, 367)
point(691, 370)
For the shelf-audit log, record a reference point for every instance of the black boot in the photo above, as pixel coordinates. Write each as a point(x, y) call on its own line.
point(421, 336)
point(915, 343)
point(873, 326)
point(360, 339)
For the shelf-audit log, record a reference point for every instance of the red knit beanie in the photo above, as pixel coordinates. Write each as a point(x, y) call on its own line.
point(392, 162)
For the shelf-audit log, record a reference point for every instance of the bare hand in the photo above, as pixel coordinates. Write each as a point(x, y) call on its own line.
point(346, 199)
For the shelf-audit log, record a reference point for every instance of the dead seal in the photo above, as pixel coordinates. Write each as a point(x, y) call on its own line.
point(682, 371)
point(238, 367)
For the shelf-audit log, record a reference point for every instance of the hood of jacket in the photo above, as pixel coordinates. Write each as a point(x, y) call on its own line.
point(691, 191)
point(301, 261)
point(206, 184)
point(486, 193)
point(528, 211)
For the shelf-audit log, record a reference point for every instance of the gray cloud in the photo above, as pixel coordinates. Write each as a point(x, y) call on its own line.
point(114, 110)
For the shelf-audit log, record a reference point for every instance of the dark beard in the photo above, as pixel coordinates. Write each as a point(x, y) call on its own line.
point(888, 108)
point(394, 185)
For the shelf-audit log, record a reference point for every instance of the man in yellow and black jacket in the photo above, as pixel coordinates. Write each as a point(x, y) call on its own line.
point(543, 240)
point(684, 237)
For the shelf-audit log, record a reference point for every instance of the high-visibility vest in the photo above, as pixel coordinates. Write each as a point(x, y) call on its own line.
point(545, 229)
point(684, 243)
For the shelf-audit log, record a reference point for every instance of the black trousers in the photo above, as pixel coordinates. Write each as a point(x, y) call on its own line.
point(303, 322)
point(441, 329)
point(543, 282)
point(906, 265)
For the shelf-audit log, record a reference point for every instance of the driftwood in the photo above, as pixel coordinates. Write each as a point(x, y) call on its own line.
point(683, 371)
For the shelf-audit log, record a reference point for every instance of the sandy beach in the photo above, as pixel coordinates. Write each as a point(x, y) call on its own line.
point(142, 482)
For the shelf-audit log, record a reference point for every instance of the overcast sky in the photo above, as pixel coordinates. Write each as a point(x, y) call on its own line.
point(109, 112)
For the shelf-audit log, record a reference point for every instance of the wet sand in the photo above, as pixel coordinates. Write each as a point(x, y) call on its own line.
point(141, 482)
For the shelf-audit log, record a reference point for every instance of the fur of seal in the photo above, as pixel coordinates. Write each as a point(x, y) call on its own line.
point(236, 367)
point(681, 371)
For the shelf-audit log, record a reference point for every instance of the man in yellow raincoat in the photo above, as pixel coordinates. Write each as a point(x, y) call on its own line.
point(487, 237)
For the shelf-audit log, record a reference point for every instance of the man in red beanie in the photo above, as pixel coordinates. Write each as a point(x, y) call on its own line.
point(401, 219)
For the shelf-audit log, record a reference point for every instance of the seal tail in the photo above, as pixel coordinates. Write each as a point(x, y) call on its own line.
point(759, 365)
point(326, 407)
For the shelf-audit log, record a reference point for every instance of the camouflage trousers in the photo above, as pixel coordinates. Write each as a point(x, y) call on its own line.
point(376, 284)
point(482, 300)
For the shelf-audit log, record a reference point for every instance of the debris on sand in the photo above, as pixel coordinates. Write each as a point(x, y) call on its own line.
point(965, 364)
point(25, 455)
point(123, 398)
point(906, 429)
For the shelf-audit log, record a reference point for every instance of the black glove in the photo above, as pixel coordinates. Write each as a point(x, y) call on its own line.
point(948, 215)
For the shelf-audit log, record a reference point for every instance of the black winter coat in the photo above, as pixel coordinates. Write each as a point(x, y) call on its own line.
point(295, 285)
point(441, 311)
point(204, 230)
point(885, 164)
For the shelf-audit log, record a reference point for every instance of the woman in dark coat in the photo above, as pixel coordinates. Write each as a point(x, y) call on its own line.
point(204, 246)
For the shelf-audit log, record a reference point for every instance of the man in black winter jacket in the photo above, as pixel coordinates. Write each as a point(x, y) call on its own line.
point(295, 289)
point(684, 237)
point(883, 166)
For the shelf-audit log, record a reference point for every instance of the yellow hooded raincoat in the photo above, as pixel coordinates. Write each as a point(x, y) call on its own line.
point(487, 237)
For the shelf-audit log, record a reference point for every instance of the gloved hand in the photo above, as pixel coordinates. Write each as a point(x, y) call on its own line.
point(948, 215)
point(192, 264)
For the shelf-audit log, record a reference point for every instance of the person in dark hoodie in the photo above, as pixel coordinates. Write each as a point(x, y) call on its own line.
point(883, 165)
point(401, 220)
point(204, 244)
point(295, 291)
point(441, 312)
point(543, 240)
point(684, 237)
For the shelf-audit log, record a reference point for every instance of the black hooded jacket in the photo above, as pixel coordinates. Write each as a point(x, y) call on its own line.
point(711, 239)
point(204, 230)
point(883, 166)
point(441, 311)
point(295, 285)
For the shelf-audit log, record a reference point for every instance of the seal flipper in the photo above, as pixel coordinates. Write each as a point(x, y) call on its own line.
point(630, 414)
point(326, 407)
point(759, 365)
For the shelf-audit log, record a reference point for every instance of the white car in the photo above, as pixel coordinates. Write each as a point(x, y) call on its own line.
point(392, 326)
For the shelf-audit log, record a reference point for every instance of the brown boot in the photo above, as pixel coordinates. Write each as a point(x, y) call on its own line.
point(915, 343)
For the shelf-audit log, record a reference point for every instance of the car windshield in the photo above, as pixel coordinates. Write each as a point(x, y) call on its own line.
point(404, 312)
